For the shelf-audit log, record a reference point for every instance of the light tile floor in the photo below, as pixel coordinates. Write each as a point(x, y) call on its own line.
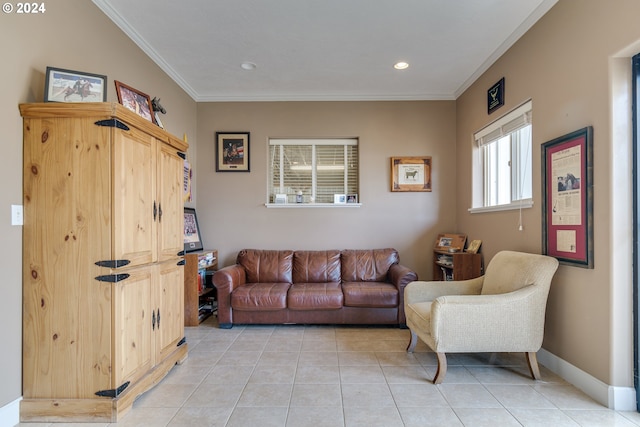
point(298, 376)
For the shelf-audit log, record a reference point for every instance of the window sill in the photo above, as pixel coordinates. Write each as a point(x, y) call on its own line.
point(312, 205)
point(523, 204)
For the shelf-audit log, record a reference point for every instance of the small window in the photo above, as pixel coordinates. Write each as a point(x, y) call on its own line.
point(505, 160)
point(312, 170)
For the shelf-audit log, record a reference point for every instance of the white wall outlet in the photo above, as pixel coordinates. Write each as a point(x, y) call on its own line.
point(17, 215)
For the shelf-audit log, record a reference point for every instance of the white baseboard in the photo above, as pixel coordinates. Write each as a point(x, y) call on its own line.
point(10, 413)
point(617, 398)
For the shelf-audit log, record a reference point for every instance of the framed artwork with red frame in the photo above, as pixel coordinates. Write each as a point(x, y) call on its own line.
point(567, 189)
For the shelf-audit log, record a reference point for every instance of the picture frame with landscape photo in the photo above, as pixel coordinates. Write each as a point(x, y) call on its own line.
point(135, 100)
point(63, 85)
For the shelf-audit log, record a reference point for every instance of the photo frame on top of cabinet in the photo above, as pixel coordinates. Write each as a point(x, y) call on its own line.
point(192, 237)
point(474, 246)
point(134, 100)
point(74, 86)
point(567, 205)
point(232, 152)
point(450, 242)
point(411, 173)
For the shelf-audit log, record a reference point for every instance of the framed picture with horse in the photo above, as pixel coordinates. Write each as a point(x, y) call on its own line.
point(74, 86)
point(134, 100)
point(411, 173)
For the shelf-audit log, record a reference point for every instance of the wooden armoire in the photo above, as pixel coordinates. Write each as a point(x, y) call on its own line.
point(103, 296)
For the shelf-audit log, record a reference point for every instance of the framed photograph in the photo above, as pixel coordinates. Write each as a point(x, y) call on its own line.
point(232, 152)
point(495, 96)
point(352, 198)
point(74, 86)
point(340, 199)
point(280, 199)
point(567, 206)
point(192, 239)
point(411, 173)
point(450, 242)
point(474, 246)
point(134, 100)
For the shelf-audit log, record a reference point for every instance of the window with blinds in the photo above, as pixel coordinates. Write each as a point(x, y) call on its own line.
point(505, 152)
point(312, 170)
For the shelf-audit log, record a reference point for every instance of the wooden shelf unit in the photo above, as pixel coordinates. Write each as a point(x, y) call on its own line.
point(450, 262)
point(456, 265)
point(196, 292)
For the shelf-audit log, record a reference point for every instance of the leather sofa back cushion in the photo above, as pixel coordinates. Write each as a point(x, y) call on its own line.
point(316, 266)
point(266, 266)
point(360, 265)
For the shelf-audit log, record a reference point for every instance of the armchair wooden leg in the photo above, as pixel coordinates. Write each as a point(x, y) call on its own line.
point(442, 368)
point(413, 342)
point(532, 361)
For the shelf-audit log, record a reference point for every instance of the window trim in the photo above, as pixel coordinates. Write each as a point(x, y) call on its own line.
point(519, 204)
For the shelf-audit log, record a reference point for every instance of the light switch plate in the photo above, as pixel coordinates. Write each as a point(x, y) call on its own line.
point(17, 215)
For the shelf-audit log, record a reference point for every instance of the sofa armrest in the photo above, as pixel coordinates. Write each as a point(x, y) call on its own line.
point(400, 276)
point(226, 280)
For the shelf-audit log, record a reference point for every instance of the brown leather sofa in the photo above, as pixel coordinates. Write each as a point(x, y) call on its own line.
point(313, 287)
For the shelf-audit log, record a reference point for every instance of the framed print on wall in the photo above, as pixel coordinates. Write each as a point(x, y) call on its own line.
point(567, 206)
point(134, 100)
point(74, 86)
point(495, 96)
point(411, 173)
point(192, 239)
point(232, 152)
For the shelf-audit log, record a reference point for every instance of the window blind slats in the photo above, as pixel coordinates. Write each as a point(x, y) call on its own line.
point(316, 168)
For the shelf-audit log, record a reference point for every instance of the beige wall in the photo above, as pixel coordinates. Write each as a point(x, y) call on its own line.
point(231, 207)
point(72, 34)
point(564, 64)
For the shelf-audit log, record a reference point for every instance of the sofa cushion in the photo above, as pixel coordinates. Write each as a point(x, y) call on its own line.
point(370, 294)
point(266, 266)
point(260, 297)
point(315, 296)
point(367, 265)
point(316, 266)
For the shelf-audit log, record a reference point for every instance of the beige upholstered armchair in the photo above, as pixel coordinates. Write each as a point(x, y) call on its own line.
point(502, 311)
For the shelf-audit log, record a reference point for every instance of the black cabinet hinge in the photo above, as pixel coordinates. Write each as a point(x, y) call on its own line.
point(181, 253)
point(113, 278)
point(113, 263)
point(113, 123)
point(181, 154)
point(182, 341)
point(181, 262)
point(113, 392)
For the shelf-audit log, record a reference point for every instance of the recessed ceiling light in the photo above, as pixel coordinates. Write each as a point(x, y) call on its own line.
point(248, 66)
point(401, 65)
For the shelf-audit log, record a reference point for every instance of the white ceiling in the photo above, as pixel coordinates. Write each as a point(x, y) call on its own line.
point(324, 49)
